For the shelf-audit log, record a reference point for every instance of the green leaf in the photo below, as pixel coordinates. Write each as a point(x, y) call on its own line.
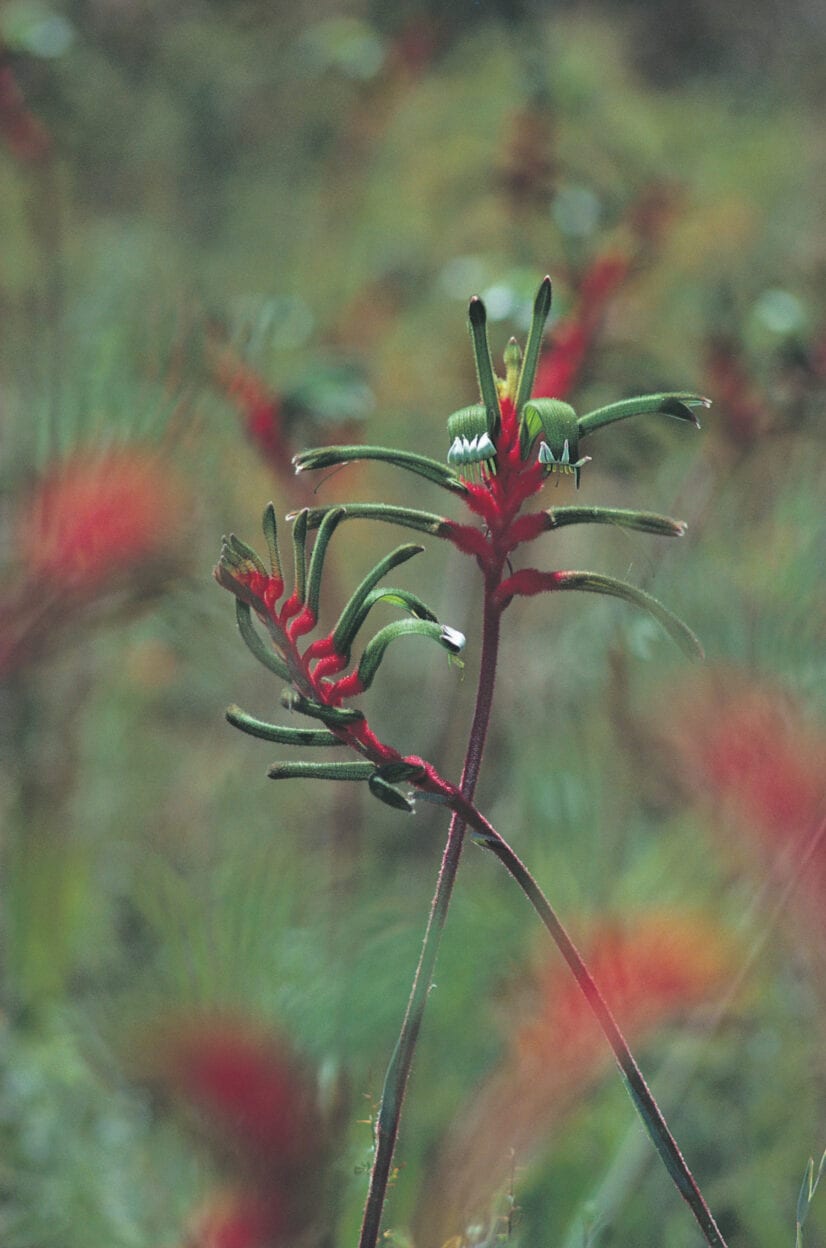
point(254, 643)
point(679, 405)
point(643, 521)
point(595, 583)
point(320, 771)
point(331, 456)
point(277, 732)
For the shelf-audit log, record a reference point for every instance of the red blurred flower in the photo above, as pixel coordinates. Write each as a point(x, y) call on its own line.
point(749, 750)
point(745, 415)
point(258, 406)
point(572, 339)
point(26, 137)
point(97, 518)
point(257, 1108)
point(650, 971)
point(238, 1220)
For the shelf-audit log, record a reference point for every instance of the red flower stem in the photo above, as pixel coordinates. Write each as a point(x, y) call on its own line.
point(398, 1071)
point(641, 1094)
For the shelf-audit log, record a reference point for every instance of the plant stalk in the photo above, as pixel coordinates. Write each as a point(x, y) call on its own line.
point(641, 1094)
point(398, 1071)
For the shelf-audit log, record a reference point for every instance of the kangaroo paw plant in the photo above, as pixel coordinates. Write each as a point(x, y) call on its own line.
point(501, 452)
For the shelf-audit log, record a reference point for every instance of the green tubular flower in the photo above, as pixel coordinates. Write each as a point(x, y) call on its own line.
point(352, 616)
point(276, 732)
point(449, 638)
point(332, 456)
point(325, 531)
point(321, 771)
point(407, 517)
point(264, 654)
point(334, 716)
point(642, 521)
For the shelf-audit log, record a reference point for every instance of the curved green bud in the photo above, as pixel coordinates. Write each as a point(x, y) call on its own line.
point(332, 456)
point(595, 583)
point(679, 405)
point(268, 524)
point(335, 716)
point(264, 654)
point(541, 310)
point(513, 367)
point(407, 517)
point(276, 732)
point(449, 638)
point(396, 598)
point(391, 796)
point(642, 521)
point(300, 554)
point(325, 531)
point(320, 771)
point(351, 618)
point(478, 324)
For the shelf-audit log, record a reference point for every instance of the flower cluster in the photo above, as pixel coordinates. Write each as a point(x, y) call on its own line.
point(502, 451)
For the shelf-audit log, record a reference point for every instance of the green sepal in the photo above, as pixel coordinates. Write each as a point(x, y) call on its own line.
point(478, 325)
point(353, 614)
point(278, 733)
point(596, 583)
point(322, 541)
point(335, 716)
point(270, 528)
point(679, 405)
point(386, 793)
point(320, 771)
point(332, 456)
point(374, 651)
point(300, 554)
point(255, 644)
point(642, 521)
point(407, 517)
point(541, 310)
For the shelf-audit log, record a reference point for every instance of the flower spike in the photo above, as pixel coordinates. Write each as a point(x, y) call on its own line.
point(478, 324)
point(541, 311)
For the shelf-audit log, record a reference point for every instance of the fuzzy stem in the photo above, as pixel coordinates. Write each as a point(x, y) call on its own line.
point(641, 1094)
point(398, 1071)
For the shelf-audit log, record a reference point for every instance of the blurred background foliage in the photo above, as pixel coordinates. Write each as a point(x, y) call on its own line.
point(230, 231)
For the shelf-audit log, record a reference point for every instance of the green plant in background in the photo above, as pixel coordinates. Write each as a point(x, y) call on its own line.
point(502, 451)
